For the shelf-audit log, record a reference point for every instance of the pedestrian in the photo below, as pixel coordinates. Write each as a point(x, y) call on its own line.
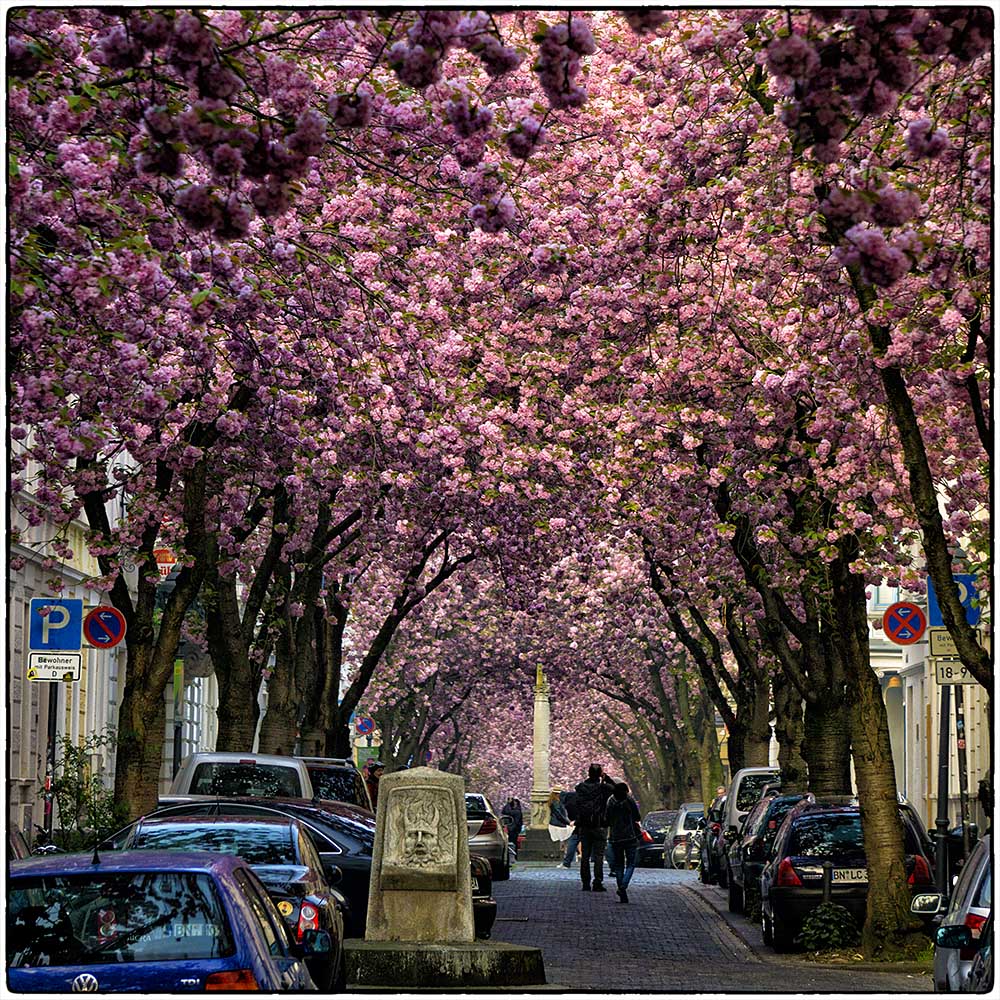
point(573, 842)
point(375, 769)
point(512, 811)
point(622, 813)
point(560, 829)
point(591, 798)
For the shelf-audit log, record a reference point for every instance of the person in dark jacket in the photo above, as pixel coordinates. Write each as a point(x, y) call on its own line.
point(512, 810)
point(622, 814)
point(591, 798)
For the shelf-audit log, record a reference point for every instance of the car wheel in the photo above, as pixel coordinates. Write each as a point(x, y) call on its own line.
point(735, 896)
point(765, 927)
point(781, 937)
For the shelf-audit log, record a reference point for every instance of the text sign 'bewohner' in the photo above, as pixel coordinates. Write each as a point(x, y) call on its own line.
point(55, 666)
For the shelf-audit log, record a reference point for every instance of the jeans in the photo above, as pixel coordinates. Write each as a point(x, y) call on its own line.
point(571, 844)
point(593, 842)
point(623, 861)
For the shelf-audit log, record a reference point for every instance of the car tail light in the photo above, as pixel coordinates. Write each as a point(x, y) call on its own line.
point(921, 874)
point(786, 874)
point(489, 825)
point(716, 827)
point(646, 838)
point(974, 922)
point(678, 839)
point(231, 979)
point(308, 920)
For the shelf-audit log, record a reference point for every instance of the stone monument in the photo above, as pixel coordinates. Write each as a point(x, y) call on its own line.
point(538, 845)
point(420, 930)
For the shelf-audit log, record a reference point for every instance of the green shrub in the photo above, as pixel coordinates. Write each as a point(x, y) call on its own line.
point(829, 926)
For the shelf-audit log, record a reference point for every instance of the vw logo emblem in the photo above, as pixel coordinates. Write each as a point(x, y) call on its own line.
point(85, 983)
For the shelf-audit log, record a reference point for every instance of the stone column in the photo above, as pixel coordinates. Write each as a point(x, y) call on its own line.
point(538, 845)
point(540, 743)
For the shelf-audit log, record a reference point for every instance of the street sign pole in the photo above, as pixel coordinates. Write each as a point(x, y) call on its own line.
point(50, 761)
point(941, 823)
point(963, 776)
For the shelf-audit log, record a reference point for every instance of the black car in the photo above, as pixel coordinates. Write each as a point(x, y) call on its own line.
point(654, 825)
point(713, 844)
point(748, 855)
point(284, 858)
point(338, 779)
point(791, 883)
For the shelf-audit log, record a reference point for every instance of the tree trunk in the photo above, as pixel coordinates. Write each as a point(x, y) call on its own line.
point(889, 930)
point(142, 720)
point(280, 724)
point(827, 744)
point(710, 769)
point(789, 730)
point(750, 739)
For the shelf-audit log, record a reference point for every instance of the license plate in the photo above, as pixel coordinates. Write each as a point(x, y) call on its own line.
point(850, 874)
point(475, 885)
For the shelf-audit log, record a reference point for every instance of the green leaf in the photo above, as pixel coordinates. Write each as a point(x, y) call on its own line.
point(199, 297)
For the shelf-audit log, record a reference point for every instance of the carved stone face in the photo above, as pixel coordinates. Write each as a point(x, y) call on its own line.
point(420, 844)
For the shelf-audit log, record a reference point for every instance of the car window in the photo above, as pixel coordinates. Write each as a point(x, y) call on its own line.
point(658, 822)
point(691, 819)
point(476, 807)
point(307, 851)
point(834, 835)
point(256, 844)
point(960, 893)
point(750, 788)
point(274, 939)
point(101, 918)
point(234, 778)
point(984, 896)
point(342, 784)
point(773, 816)
point(755, 819)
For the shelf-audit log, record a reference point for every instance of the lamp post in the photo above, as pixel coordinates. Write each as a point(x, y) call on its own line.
point(941, 822)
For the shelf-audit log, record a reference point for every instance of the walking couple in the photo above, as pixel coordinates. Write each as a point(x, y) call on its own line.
point(606, 815)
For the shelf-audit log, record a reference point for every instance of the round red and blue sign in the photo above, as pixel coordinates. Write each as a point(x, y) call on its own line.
point(904, 623)
point(365, 725)
point(104, 627)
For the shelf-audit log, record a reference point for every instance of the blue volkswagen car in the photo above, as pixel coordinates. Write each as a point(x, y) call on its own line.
point(148, 922)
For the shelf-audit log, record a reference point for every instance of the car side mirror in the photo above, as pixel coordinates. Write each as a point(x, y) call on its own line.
point(316, 942)
point(927, 903)
point(953, 936)
point(333, 874)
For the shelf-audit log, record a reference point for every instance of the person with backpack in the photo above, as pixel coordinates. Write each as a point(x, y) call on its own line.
point(591, 799)
point(622, 813)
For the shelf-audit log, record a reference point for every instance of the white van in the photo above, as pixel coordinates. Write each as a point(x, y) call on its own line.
point(744, 791)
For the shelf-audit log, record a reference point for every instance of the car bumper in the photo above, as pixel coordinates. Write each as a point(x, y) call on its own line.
point(649, 854)
point(492, 850)
point(792, 904)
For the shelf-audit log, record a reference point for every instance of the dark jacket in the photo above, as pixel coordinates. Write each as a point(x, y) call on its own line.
point(623, 817)
point(516, 818)
point(569, 801)
point(587, 793)
point(557, 814)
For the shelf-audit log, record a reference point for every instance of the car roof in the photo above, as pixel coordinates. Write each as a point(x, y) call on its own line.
point(347, 810)
point(226, 757)
point(126, 861)
point(691, 805)
point(216, 819)
point(331, 761)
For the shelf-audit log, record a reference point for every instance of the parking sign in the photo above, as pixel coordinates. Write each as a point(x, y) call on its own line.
point(55, 624)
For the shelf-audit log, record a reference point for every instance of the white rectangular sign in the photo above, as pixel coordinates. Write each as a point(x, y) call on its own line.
point(952, 672)
point(55, 666)
point(942, 643)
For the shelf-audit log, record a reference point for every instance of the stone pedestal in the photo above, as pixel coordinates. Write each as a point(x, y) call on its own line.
point(539, 846)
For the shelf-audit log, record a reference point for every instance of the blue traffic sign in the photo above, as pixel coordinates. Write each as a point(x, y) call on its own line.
point(55, 623)
point(104, 627)
point(365, 725)
point(967, 593)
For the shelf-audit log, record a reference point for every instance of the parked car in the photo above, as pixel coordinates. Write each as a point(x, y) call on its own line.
point(655, 825)
point(338, 779)
point(676, 843)
point(744, 790)
point(344, 836)
point(281, 852)
point(969, 908)
point(148, 922)
point(713, 843)
point(226, 774)
point(749, 854)
point(980, 977)
point(487, 834)
point(791, 883)
point(484, 906)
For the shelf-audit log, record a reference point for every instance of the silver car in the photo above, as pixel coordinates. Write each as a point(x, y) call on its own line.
point(487, 835)
point(969, 907)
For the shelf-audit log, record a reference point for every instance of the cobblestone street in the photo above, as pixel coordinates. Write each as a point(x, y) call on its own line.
point(668, 939)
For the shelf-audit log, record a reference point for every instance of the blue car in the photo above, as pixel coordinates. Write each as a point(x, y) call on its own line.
point(148, 922)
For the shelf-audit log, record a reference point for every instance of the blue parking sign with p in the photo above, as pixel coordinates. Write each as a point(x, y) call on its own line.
point(55, 623)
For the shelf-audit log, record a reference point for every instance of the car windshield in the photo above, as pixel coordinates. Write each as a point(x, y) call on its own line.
point(835, 835)
point(476, 807)
point(256, 844)
point(691, 819)
point(97, 919)
point(750, 789)
point(776, 812)
point(234, 778)
point(338, 783)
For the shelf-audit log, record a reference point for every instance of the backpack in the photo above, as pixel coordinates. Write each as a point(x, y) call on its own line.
point(591, 811)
